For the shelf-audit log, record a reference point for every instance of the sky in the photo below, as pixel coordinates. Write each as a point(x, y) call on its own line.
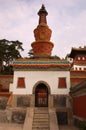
point(66, 19)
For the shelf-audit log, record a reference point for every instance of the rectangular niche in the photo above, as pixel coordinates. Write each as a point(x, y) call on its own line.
point(59, 101)
point(21, 82)
point(62, 82)
point(23, 101)
point(62, 118)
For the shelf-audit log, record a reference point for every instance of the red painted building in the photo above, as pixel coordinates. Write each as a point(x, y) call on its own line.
point(78, 94)
point(77, 58)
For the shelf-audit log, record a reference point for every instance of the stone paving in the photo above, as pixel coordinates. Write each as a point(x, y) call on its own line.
point(10, 126)
point(67, 127)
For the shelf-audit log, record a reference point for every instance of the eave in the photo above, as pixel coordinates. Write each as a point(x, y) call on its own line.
point(77, 51)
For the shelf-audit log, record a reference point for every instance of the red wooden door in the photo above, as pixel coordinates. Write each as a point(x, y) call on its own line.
point(41, 97)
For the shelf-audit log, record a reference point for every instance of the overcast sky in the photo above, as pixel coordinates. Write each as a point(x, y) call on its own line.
point(66, 18)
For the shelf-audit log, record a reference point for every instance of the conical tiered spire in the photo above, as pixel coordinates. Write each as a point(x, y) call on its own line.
point(42, 45)
point(42, 15)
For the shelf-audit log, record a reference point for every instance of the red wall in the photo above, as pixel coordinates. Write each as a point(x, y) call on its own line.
point(5, 81)
point(79, 106)
point(77, 80)
point(77, 77)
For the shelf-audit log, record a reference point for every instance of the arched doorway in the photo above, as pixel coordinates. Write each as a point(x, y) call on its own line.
point(41, 95)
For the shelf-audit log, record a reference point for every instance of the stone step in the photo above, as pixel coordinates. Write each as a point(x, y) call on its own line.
point(40, 125)
point(41, 110)
point(37, 116)
point(41, 119)
point(41, 115)
point(40, 128)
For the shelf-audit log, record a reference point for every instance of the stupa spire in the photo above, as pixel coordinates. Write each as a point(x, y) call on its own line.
point(42, 45)
point(42, 14)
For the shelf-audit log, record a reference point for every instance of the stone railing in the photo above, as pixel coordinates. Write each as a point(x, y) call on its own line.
point(9, 103)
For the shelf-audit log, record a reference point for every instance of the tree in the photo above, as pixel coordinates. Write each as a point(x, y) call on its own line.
point(9, 50)
point(31, 53)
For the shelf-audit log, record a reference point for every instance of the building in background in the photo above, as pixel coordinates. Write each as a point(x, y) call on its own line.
point(77, 58)
point(78, 94)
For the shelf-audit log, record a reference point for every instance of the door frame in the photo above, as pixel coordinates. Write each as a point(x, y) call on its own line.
point(48, 91)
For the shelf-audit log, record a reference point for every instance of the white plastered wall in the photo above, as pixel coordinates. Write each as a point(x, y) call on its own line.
point(32, 77)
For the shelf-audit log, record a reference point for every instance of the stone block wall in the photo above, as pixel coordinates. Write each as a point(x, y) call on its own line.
point(18, 116)
point(63, 109)
point(3, 102)
point(59, 101)
point(62, 118)
point(3, 116)
point(15, 115)
point(22, 101)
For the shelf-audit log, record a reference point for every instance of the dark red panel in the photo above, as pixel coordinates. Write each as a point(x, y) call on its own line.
point(79, 106)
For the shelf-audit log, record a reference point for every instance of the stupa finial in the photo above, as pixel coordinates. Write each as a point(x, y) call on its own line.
point(42, 10)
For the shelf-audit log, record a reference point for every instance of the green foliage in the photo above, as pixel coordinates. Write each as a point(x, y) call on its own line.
point(7, 70)
point(9, 50)
point(31, 53)
point(83, 125)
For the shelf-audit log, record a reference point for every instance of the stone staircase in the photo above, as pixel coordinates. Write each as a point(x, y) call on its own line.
point(41, 119)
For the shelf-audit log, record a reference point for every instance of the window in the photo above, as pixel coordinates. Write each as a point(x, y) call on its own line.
point(83, 58)
point(0, 87)
point(62, 82)
point(80, 68)
point(21, 82)
point(75, 68)
point(79, 58)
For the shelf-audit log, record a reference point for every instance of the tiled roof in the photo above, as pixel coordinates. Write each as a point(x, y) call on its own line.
point(41, 63)
point(76, 51)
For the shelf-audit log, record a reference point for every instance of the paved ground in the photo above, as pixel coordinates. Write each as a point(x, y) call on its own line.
point(9, 126)
point(66, 127)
